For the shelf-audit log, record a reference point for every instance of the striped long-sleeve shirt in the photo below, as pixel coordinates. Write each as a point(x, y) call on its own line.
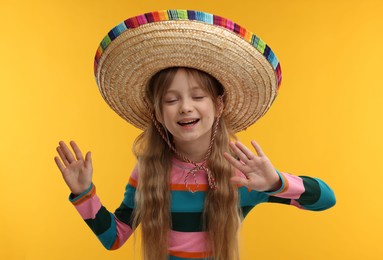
point(187, 239)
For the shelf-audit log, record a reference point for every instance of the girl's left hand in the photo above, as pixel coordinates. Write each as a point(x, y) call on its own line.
point(260, 173)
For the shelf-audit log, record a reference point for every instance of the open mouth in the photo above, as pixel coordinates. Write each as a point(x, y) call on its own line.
point(188, 123)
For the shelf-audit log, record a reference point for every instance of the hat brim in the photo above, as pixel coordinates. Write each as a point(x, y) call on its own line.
point(124, 68)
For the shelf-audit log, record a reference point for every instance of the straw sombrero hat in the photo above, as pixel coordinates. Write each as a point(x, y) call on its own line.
point(139, 47)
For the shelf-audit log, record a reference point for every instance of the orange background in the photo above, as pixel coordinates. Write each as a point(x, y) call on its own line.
point(326, 122)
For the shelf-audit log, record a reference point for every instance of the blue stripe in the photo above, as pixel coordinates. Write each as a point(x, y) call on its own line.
point(185, 201)
point(251, 198)
point(173, 15)
point(326, 199)
point(191, 15)
point(273, 59)
point(73, 198)
point(266, 51)
point(109, 236)
point(119, 29)
point(254, 40)
point(204, 17)
point(129, 196)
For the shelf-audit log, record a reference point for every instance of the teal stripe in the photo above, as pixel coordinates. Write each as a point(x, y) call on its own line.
point(129, 196)
point(109, 236)
point(273, 59)
point(177, 14)
point(73, 198)
point(251, 198)
point(119, 29)
point(185, 201)
point(204, 17)
point(326, 199)
point(254, 40)
point(172, 14)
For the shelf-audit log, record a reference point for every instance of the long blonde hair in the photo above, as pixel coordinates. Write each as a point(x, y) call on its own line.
point(221, 210)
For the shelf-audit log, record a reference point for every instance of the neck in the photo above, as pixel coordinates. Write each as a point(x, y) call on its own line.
point(193, 151)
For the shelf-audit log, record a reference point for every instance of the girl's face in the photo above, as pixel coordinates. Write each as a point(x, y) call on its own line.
point(187, 110)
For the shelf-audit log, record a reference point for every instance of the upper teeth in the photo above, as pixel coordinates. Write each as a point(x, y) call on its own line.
point(187, 122)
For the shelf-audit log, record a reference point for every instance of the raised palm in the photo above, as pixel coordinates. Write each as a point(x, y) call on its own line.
point(259, 171)
point(76, 171)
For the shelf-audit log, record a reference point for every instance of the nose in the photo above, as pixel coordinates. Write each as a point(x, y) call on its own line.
point(186, 106)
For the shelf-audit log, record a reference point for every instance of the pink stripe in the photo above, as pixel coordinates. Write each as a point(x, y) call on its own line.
point(230, 25)
point(180, 170)
point(123, 232)
point(295, 187)
point(190, 242)
point(134, 174)
point(89, 208)
point(296, 204)
point(141, 19)
point(178, 177)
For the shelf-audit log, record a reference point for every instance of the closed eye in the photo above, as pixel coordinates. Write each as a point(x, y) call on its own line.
point(170, 101)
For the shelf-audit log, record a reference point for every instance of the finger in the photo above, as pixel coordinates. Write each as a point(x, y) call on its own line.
point(257, 148)
point(62, 156)
point(76, 151)
point(236, 163)
point(238, 152)
point(246, 151)
point(60, 165)
point(88, 160)
point(66, 152)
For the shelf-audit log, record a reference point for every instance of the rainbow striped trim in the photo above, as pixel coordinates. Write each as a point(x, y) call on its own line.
point(168, 15)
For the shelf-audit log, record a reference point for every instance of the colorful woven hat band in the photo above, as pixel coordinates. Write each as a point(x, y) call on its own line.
point(168, 15)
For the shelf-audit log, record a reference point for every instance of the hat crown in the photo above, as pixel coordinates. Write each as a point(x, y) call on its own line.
point(139, 47)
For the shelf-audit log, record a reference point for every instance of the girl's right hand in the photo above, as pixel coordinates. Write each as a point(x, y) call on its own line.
point(76, 171)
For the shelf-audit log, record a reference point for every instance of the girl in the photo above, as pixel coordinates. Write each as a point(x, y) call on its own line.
point(193, 183)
